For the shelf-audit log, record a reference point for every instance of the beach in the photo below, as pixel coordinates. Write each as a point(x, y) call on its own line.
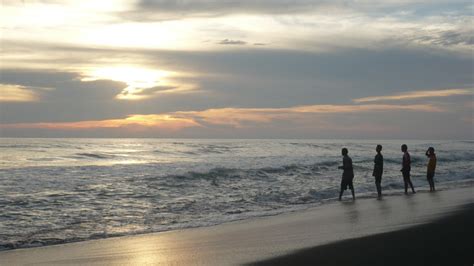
point(251, 132)
point(337, 230)
point(446, 241)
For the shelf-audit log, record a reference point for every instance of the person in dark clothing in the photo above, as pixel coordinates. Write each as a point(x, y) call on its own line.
point(347, 175)
point(430, 153)
point(378, 170)
point(406, 167)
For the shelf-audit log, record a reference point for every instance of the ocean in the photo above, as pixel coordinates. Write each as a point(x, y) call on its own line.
point(66, 190)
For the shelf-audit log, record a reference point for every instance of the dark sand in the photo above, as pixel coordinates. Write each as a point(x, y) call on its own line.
point(446, 241)
point(398, 229)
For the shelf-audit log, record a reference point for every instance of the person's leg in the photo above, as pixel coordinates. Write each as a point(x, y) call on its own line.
point(431, 181)
point(379, 189)
point(428, 177)
point(351, 187)
point(378, 180)
point(411, 185)
point(405, 180)
point(342, 189)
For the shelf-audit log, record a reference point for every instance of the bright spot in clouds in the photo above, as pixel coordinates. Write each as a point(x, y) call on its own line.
point(138, 79)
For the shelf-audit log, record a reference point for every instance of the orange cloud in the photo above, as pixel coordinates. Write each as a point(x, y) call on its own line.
point(416, 95)
point(16, 93)
point(235, 117)
point(134, 122)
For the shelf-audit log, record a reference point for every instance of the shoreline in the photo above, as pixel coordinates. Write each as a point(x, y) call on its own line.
point(445, 241)
point(446, 186)
point(254, 239)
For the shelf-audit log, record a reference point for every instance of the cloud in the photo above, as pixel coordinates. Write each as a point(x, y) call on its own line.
point(293, 24)
point(17, 93)
point(172, 9)
point(148, 93)
point(232, 42)
point(314, 66)
point(239, 117)
point(240, 77)
point(132, 122)
point(235, 117)
point(447, 37)
point(416, 95)
point(62, 85)
point(155, 90)
point(310, 121)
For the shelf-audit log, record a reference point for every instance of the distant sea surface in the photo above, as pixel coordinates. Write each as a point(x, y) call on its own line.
point(64, 190)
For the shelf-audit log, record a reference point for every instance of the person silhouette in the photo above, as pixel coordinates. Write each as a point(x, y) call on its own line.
point(378, 170)
point(347, 174)
point(431, 167)
point(406, 167)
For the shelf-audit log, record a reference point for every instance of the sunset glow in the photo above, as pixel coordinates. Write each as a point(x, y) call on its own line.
point(235, 68)
point(133, 123)
point(139, 80)
point(230, 117)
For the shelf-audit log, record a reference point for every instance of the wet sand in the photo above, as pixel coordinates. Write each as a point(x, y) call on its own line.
point(446, 241)
point(335, 228)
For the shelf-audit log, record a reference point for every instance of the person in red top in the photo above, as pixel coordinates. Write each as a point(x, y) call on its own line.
point(406, 167)
point(431, 167)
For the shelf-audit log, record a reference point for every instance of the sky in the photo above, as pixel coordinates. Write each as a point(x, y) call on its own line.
point(347, 69)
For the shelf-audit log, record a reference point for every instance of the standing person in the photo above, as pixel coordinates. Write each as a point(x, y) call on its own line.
point(406, 167)
point(378, 170)
point(431, 167)
point(347, 175)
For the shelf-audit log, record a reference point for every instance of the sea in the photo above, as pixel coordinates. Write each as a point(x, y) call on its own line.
point(55, 191)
